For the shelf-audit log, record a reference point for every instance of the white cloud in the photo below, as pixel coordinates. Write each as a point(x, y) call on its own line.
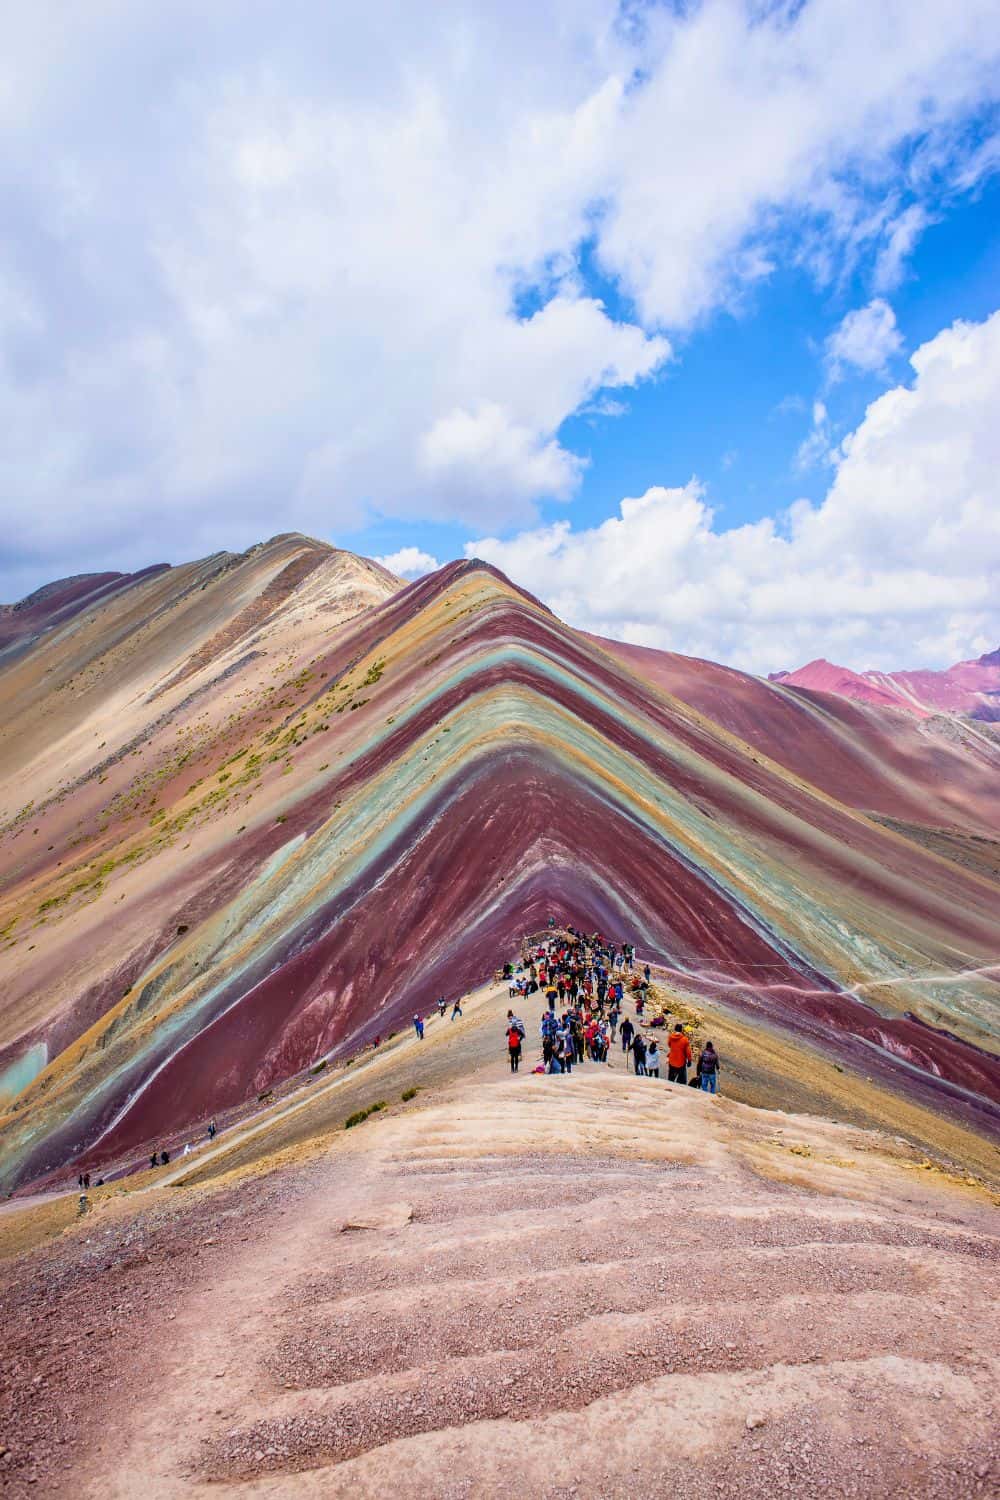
point(409, 562)
point(271, 277)
point(899, 565)
point(865, 340)
point(818, 447)
point(902, 235)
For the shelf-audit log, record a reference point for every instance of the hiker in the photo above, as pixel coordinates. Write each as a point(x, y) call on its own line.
point(456, 1009)
point(639, 1055)
point(213, 1130)
point(164, 1158)
point(516, 1022)
point(645, 972)
point(418, 1026)
point(708, 1069)
point(86, 1179)
point(626, 1031)
point(154, 1161)
point(514, 1036)
point(442, 1006)
point(579, 1039)
point(652, 1060)
point(678, 1055)
point(566, 1049)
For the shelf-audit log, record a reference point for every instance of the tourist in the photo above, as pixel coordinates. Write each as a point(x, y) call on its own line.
point(213, 1130)
point(708, 1069)
point(653, 1060)
point(514, 1036)
point(579, 1038)
point(678, 1055)
point(154, 1161)
point(456, 1009)
point(639, 1054)
point(418, 1026)
point(626, 1031)
point(442, 1006)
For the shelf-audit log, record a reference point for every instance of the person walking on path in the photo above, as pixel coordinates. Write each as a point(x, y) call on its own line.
point(639, 1055)
point(708, 1069)
point(456, 1009)
point(442, 1006)
point(652, 1060)
point(514, 1036)
point(626, 1031)
point(678, 1055)
point(418, 1026)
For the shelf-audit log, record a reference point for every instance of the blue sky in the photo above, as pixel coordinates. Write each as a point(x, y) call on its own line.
point(382, 273)
point(734, 406)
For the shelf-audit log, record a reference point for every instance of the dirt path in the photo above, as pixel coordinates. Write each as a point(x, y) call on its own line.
point(595, 1285)
point(591, 1285)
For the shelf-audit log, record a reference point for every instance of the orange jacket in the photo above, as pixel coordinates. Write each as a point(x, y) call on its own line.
point(678, 1049)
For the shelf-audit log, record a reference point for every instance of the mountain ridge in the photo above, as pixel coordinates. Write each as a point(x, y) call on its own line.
point(970, 688)
point(251, 872)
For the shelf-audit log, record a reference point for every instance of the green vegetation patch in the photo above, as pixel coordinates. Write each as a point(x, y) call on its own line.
point(362, 1114)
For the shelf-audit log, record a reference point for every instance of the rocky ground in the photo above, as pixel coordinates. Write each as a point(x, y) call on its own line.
point(596, 1285)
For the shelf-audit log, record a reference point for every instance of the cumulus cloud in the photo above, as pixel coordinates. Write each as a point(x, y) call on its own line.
point(278, 266)
point(409, 562)
point(899, 564)
point(867, 339)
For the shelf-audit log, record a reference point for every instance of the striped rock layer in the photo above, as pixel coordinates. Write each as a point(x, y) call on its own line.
point(257, 810)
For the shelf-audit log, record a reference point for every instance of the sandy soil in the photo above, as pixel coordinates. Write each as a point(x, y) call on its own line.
point(595, 1285)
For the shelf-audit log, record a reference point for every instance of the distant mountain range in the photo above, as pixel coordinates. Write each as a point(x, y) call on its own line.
point(971, 688)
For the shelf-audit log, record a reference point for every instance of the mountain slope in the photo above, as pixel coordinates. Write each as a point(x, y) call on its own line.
point(320, 798)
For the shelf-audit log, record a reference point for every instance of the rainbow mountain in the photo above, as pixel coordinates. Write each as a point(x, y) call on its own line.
point(257, 810)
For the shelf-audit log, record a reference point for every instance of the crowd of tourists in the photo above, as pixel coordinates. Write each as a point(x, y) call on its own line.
point(585, 981)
